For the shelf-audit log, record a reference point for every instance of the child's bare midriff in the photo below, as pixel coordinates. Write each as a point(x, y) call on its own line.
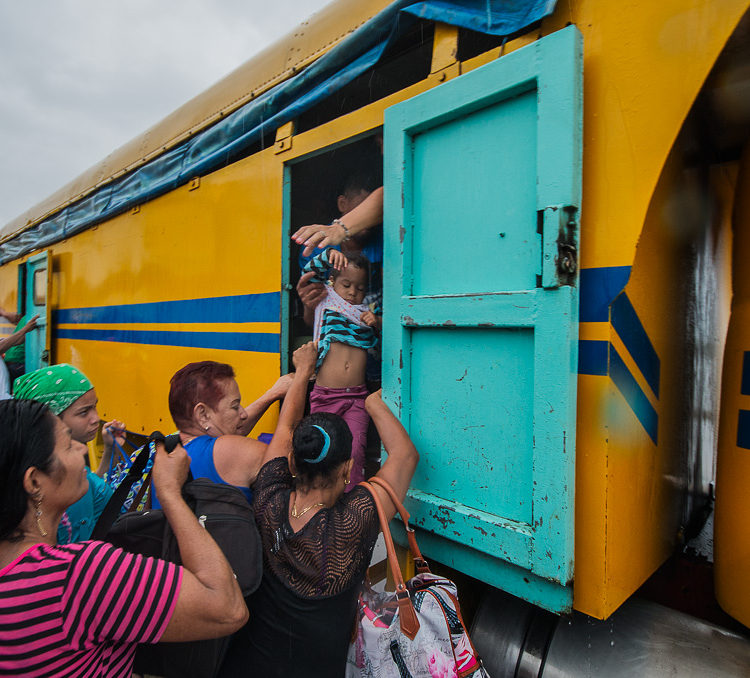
point(344, 366)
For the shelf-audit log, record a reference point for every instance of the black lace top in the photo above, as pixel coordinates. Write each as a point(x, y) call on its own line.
point(302, 616)
point(330, 553)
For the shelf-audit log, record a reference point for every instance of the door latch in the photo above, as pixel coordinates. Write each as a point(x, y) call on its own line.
point(567, 253)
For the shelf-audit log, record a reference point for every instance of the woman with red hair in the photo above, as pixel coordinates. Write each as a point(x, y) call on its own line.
point(205, 404)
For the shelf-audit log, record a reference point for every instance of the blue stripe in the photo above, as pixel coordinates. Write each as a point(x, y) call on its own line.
point(745, 387)
point(625, 320)
point(635, 397)
point(743, 430)
point(243, 308)
point(592, 357)
point(228, 341)
point(597, 288)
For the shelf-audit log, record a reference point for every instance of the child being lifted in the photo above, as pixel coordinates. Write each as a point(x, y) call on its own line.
point(344, 329)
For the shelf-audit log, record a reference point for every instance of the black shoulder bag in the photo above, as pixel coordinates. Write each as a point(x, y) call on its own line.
point(223, 511)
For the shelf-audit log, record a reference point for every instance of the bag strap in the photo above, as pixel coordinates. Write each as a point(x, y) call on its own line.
point(406, 613)
point(114, 505)
point(419, 562)
point(145, 487)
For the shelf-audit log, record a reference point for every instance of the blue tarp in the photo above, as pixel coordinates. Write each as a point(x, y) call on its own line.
point(213, 148)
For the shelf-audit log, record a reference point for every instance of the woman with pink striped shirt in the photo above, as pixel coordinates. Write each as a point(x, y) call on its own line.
point(81, 609)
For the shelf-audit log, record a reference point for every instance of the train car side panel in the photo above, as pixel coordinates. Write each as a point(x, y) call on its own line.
point(200, 270)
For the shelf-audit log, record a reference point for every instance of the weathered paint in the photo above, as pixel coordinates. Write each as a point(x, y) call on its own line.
point(488, 385)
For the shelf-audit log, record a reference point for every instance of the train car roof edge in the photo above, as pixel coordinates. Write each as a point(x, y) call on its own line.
point(98, 193)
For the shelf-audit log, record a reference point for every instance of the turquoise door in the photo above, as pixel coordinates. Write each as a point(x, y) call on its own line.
point(37, 284)
point(482, 188)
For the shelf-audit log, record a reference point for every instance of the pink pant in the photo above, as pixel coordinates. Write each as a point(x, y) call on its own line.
point(349, 404)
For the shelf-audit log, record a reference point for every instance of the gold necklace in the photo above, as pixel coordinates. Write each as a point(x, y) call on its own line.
point(296, 514)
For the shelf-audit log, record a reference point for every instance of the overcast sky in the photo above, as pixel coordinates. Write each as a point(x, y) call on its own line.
point(78, 78)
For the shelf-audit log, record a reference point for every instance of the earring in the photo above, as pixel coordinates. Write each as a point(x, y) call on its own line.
point(38, 511)
point(346, 481)
point(205, 428)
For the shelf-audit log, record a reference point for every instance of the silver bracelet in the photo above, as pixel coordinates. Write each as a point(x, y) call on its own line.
point(346, 230)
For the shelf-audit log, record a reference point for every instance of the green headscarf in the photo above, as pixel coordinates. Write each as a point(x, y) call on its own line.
point(58, 386)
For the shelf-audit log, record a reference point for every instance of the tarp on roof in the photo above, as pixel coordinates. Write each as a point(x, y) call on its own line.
point(214, 147)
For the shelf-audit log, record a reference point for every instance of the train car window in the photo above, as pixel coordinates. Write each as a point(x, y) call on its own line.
point(406, 62)
point(40, 287)
point(318, 184)
point(266, 141)
point(472, 43)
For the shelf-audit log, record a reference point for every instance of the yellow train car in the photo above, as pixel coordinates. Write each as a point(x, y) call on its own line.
point(564, 306)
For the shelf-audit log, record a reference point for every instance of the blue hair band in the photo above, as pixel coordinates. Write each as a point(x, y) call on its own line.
point(324, 451)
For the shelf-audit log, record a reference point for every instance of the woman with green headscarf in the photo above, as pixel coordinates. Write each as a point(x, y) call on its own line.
point(71, 396)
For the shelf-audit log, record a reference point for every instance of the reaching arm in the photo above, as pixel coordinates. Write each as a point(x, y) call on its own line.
point(257, 409)
point(363, 217)
point(18, 336)
point(111, 430)
point(294, 403)
point(210, 603)
point(401, 463)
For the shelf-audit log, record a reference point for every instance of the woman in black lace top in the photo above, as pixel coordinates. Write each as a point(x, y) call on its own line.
point(317, 540)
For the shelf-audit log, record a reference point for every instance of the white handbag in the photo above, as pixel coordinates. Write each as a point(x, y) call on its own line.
point(416, 631)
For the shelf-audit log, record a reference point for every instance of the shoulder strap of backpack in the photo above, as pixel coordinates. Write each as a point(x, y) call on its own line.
point(114, 505)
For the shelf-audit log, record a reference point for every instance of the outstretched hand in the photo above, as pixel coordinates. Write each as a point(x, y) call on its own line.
point(280, 386)
point(170, 470)
point(337, 259)
point(318, 235)
point(113, 430)
point(30, 325)
point(305, 357)
point(372, 320)
point(310, 293)
point(374, 400)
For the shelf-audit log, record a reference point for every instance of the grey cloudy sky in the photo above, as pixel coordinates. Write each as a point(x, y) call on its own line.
point(78, 78)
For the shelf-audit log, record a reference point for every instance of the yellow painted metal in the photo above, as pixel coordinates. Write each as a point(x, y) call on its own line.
point(284, 137)
point(224, 239)
point(629, 490)
point(445, 64)
point(8, 294)
point(732, 520)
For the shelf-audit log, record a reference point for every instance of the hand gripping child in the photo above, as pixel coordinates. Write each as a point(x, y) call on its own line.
point(344, 329)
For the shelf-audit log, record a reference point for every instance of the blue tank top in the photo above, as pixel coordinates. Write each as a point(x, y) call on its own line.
point(201, 451)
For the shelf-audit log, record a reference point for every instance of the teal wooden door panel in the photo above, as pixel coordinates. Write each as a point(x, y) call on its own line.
point(482, 188)
point(494, 141)
point(36, 303)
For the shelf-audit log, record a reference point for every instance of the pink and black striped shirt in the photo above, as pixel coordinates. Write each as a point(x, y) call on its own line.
point(80, 609)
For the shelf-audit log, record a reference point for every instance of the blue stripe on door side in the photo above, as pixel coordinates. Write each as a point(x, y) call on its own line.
point(628, 325)
point(745, 387)
point(229, 341)
point(633, 394)
point(743, 430)
point(598, 287)
point(243, 308)
point(592, 357)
